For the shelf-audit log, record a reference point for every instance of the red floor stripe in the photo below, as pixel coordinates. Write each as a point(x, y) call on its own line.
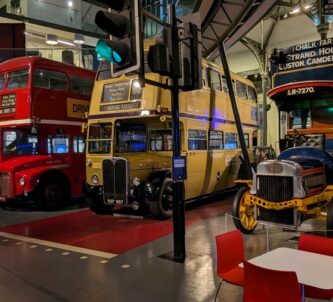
point(107, 233)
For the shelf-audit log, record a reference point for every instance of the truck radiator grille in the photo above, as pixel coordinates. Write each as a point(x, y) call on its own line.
point(275, 188)
point(115, 180)
point(286, 216)
point(4, 184)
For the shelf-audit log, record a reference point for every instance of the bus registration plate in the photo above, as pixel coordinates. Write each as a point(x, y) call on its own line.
point(114, 201)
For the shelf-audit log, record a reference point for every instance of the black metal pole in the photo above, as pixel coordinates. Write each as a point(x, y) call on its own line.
point(178, 186)
point(238, 122)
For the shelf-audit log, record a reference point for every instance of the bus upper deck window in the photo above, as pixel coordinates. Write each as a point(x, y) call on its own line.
point(2, 80)
point(49, 79)
point(252, 94)
point(18, 79)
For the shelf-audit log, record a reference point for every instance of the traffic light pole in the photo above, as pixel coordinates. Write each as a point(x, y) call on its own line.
point(178, 185)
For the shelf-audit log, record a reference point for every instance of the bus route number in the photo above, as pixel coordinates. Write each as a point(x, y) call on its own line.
point(301, 90)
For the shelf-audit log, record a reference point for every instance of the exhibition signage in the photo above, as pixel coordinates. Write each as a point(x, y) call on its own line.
point(304, 62)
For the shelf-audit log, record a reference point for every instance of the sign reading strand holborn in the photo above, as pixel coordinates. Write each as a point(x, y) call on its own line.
point(308, 54)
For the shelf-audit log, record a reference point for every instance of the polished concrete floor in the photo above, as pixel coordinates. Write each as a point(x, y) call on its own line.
point(41, 270)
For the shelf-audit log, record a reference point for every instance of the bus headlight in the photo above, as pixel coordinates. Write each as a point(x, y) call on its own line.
point(136, 181)
point(94, 179)
point(22, 181)
point(136, 90)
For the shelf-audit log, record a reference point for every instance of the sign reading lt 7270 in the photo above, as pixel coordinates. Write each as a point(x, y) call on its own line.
point(301, 90)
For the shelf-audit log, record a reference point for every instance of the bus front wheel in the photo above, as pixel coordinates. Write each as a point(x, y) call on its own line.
point(51, 193)
point(243, 215)
point(162, 208)
point(97, 205)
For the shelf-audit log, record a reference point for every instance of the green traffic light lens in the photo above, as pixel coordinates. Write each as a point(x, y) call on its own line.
point(104, 52)
point(116, 57)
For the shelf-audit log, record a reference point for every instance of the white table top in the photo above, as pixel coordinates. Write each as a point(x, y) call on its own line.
point(311, 268)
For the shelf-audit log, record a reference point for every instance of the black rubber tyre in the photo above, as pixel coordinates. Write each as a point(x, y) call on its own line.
point(52, 193)
point(97, 205)
point(329, 221)
point(162, 208)
point(243, 215)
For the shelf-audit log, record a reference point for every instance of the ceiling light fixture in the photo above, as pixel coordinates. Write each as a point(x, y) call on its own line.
point(51, 39)
point(70, 3)
point(66, 42)
point(79, 39)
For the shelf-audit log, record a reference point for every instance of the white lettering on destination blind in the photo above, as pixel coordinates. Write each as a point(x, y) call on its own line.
point(315, 53)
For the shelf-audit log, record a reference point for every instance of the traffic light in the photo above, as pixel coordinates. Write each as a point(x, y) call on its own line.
point(190, 53)
point(124, 48)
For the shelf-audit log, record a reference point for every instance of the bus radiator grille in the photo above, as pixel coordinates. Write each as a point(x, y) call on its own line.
point(4, 184)
point(115, 180)
point(275, 188)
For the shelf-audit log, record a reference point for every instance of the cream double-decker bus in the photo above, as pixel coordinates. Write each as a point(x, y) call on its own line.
point(129, 143)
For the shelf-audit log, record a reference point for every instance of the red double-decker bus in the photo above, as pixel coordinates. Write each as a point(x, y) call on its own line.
point(42, 110)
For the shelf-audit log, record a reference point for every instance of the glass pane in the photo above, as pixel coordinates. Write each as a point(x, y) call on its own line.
point(18, 79)
point(58, 80)
point(99, 138)
point(214, 79)
point(130, 138)
point(19, 141)
point(78, 144)
point(252, 94)
point(81, 85)
point(160, 140)
point(215, 140)
point(197, 139)
point(241, 90)
point(231, 141)
point(2, 80)
point(41, 78)
point(58, 144)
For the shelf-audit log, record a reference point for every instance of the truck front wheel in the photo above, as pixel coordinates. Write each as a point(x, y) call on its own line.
point(243, 215)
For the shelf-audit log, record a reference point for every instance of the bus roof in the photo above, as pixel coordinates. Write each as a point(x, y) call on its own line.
point(32, 60)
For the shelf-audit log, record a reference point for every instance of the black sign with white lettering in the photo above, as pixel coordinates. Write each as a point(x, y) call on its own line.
point(326, 7)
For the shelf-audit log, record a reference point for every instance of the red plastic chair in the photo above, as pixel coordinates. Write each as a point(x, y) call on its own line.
point(230, 253)
point(263, 285)
point(319, 245)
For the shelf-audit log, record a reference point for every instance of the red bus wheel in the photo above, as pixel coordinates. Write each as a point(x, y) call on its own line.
point(51, 193)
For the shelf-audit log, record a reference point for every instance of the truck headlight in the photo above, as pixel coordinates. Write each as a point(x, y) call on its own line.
point(94, 179)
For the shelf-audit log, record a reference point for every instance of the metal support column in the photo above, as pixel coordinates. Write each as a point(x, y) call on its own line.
point(264, 106)
point(246, 159)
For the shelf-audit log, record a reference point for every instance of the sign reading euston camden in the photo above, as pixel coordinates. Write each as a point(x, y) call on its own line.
point(308, 54)
point(305, 62)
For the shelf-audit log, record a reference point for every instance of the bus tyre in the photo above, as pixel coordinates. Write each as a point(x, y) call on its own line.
point(162, 208)
point(97, 205)
point(329, 221)
point(243, 215)
point(52, 193)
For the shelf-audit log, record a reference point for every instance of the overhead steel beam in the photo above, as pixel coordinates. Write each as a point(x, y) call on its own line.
point(260, 12)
